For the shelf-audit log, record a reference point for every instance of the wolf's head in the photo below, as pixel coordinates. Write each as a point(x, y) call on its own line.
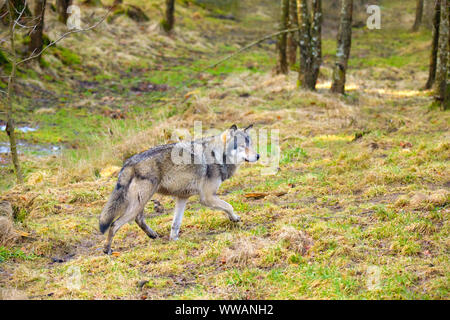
point(238, 145)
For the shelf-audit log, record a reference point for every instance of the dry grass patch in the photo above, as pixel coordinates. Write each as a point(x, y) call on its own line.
point(296, 240)
point(8, 236)
point(244, 251)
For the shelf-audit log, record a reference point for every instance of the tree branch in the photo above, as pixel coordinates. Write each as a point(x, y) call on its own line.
point(252, 44)
point(64, 35)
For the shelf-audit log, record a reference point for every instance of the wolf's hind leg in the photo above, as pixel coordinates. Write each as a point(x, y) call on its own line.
point(115, 226)
point(141, 223)
point(178, 217)
point(139, 192)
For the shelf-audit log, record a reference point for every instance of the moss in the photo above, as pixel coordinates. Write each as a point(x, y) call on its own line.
point(67, 56)
point(4, 63)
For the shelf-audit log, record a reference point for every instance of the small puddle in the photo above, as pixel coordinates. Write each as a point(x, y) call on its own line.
point(24, 129)
point(31, 148)
point(24, 147)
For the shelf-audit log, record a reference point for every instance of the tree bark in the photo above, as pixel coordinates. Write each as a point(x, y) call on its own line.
point(94, 3)
point(61, 8)
point(310, 43)
point(292, 36)
point(304, 43)
point(344, 40)
point(169, 19)
point(434, 45)
point(10, 91)
point(419, 14)
point(282, 65)
point(316, 40)
point(442, 86)
point(37, 40)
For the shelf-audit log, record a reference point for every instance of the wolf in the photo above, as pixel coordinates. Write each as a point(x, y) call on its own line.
point(205, 163)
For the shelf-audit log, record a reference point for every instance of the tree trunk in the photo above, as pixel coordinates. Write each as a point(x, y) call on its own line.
point(419, 14)
point(434, 45)
point(442, 86)
point(309, 43)
point(93, 3)
point(169, 20)
point(316, 40)
point(18, 7)
point(282, 65)
point(37, 40)
point(292, 36)
point(61, 8)
point(344, 40)
point(9, 110)
point(303, 43)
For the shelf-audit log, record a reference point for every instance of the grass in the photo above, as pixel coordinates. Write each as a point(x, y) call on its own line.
point(357, 210)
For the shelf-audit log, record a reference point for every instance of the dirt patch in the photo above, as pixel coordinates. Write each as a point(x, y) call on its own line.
point(149, 87)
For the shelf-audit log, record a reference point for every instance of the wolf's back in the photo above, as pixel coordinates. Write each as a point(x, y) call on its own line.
point(117, 201)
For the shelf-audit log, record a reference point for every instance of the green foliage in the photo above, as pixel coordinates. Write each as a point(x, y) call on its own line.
point(8, 254)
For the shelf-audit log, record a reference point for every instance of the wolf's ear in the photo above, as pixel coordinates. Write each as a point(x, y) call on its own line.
point(227, 134)
point(248, 128)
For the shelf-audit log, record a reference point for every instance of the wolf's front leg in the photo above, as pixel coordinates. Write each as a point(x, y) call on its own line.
point(217, 203)
point(178, 217)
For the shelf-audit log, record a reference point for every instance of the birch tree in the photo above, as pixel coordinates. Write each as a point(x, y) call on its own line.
point(419, 14)
point(434, 44)
point(309, 42)
point(442, 90)
point(344, 39)
point(282, 65)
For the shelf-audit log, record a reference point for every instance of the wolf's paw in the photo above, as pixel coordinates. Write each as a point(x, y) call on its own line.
point(235, 218)
point(174, 238)
point(153, 235)
point(107, 251)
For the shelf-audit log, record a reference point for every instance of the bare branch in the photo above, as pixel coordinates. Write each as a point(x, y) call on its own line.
point(61, 37)
point(228, 57)
point(20, 15)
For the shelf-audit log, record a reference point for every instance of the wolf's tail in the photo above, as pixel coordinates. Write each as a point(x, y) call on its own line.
point(117, 201)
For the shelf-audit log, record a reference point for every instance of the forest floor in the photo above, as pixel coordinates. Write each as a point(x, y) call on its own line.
point(359, 208)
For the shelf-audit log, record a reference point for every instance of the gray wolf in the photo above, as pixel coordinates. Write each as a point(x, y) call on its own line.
point(205, 164)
